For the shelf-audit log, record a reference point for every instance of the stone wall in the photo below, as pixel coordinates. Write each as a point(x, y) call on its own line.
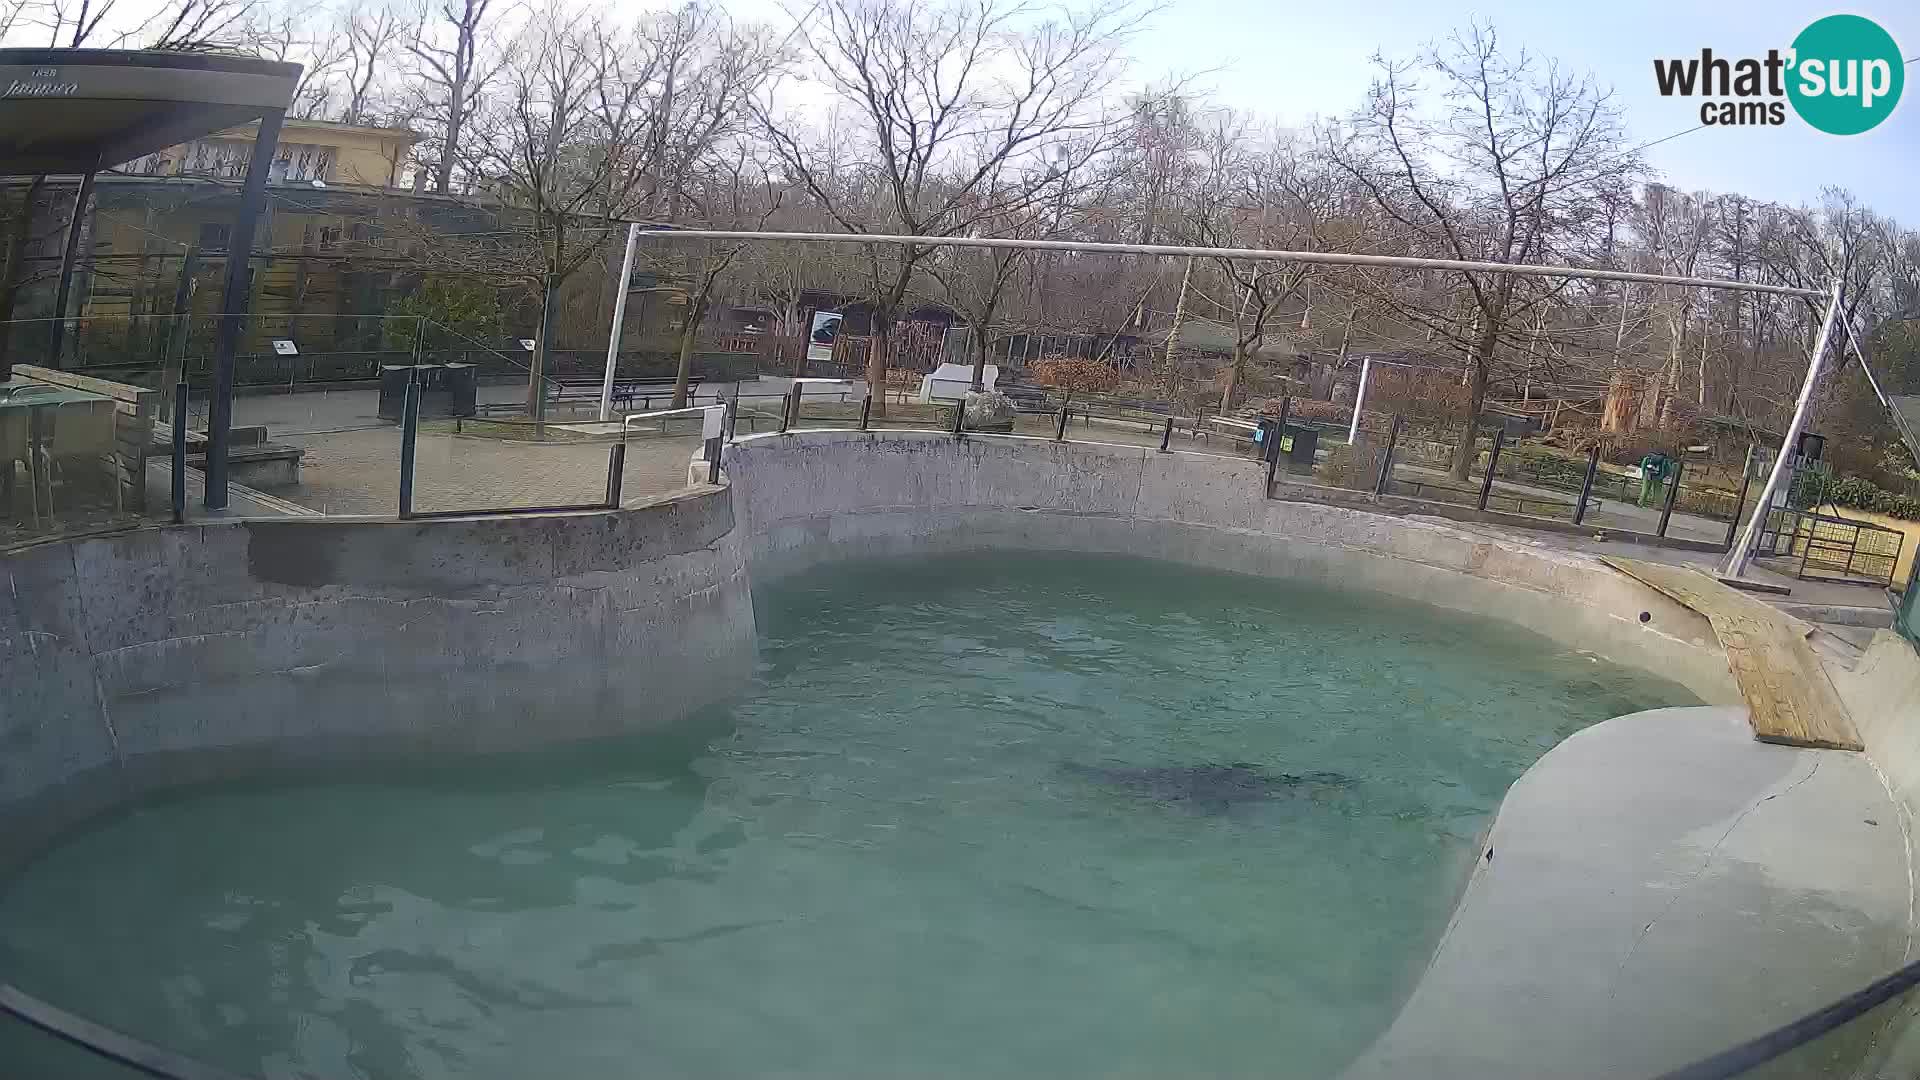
point(169, 655)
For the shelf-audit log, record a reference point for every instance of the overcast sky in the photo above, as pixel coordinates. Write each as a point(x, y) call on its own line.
point(1297, 60)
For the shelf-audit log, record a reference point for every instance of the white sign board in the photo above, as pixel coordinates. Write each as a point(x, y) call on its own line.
point(826, 330)
point(950, 382)
point(526, 343)
point(711, 419)
point(285, 347)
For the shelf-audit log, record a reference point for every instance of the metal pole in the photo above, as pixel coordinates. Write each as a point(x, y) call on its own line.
point(1166, 435)
point(619, 320)
point(866, 411)
point(1673, 492)
point(1586, 485)
point(1360, 399)
point(1060, 433)
point(409, 435)
point(177, 331)
point(179, 452)
point(75, 221)
point(616, 472)
point(1386, 463)
point(1321, 257)
point(235, 299)
point(1493, 462)
point(1737, 559)
point(1740, 503)
point(789, 407)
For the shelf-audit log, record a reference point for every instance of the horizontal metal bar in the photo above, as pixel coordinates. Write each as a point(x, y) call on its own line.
point(104, 1041)
point(570, 508)
point(688, 411)
point(1327, 257)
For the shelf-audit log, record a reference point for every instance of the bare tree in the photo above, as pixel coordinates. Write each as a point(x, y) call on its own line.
point(943, 103)
point(451, 45)
point(371, 37)
point(1510, 170)
point(1273, 194)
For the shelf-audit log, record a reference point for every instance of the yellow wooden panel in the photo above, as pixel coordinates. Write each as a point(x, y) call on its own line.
point(1789, 697)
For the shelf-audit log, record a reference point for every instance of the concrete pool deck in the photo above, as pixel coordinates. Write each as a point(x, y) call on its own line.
point(1656, 889)
point(168, 656)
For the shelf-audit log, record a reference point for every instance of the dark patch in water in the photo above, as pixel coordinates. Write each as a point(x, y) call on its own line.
point(1211, 789)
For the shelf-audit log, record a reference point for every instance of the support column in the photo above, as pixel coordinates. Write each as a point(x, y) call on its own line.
point(235, 297)
point(75, 222)
point(1737, 559)
point(235, 302)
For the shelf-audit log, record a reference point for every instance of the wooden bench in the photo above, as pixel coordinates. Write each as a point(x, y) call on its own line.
point(132, 428)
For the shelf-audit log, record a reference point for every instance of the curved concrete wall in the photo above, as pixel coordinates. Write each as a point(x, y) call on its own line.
point(809, 497)
point(170, 655)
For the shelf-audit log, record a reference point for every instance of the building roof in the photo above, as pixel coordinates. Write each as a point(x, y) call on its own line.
point(294, 124)
point(79, 110)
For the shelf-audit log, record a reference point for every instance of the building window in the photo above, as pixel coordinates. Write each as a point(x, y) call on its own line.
point(217, 158)
point(300, 161)
point(213, 236)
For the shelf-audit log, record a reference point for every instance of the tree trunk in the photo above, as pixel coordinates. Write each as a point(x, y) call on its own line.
point(684, 373)
point(1233, 378)
point(979, 363)
point(878, 345)
point(1467, 448)
point(537, 370)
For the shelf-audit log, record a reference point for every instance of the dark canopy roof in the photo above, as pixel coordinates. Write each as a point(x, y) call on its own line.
point(78, 110)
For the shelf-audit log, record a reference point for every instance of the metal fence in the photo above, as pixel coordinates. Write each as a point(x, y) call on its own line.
point(1828, 548)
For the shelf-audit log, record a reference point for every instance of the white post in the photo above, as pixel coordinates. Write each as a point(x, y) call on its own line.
point(619, 319)
point(1737, 559)
point(1359, 399)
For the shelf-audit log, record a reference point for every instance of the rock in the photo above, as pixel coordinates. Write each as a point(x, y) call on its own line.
point(989, 411)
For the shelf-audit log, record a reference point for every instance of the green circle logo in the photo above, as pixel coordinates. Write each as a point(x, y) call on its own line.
point(1846, 74)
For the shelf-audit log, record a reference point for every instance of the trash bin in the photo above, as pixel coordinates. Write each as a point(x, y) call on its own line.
point(393, 390)
point(1266, 437)
point(1300, 449)
point(461, 382)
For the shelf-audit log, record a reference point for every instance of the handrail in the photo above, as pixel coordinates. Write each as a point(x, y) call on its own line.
point(104, 1041)
point(629, 418)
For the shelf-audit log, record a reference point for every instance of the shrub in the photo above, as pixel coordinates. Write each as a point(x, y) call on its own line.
point(1074, 375)
point(1863, 494)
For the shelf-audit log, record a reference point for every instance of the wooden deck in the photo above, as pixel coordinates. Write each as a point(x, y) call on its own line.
point(1789, 697)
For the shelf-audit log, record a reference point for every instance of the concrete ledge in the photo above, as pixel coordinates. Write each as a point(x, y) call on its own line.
point(1658, 888)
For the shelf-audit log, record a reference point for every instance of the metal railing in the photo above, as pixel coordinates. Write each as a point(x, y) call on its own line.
point(1824, 547)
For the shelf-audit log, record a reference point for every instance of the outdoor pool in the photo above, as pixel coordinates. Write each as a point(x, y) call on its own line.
point(1009, 814)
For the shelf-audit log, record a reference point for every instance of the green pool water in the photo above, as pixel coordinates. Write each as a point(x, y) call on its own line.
point(1008, 815)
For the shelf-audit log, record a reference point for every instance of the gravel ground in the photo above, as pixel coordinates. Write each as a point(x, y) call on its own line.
point(358, 472)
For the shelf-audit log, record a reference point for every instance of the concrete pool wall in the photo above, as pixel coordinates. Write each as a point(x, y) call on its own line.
point(811, 497)
point(165, 656)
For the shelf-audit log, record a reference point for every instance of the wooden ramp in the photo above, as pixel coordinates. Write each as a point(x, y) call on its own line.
point(1789, 697)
